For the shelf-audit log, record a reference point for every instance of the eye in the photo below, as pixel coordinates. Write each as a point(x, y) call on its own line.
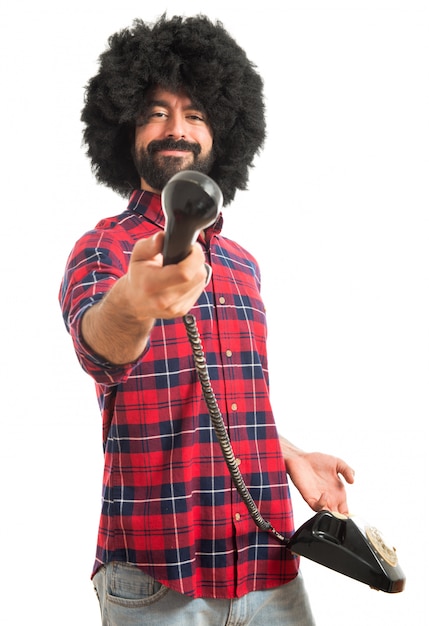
point(148, 116)
point(196, 117)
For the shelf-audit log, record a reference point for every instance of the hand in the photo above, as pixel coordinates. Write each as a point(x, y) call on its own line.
point(165, 292)
point(317, 478)
point(118, 327)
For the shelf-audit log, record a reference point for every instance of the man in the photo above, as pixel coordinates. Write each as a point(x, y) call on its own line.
point(176, 544)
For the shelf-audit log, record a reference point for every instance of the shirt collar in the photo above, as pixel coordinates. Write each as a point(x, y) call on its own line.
point(148, 204)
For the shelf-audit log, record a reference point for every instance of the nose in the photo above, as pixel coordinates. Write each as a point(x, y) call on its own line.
point(175, 126)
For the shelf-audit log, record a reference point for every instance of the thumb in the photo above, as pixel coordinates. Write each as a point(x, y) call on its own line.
point(347, 472)
point(148, 249)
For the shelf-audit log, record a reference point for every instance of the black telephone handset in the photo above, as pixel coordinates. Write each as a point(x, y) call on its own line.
point(191, 202)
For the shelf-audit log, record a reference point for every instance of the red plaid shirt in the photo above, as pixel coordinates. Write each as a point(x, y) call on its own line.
point(169, 505)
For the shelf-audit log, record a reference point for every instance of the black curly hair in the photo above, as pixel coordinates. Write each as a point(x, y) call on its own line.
point(194, 54)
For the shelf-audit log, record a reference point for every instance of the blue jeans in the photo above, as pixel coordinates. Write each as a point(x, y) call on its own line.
point(128, 597)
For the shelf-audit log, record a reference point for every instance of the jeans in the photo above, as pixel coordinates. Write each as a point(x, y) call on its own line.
point(129, 597)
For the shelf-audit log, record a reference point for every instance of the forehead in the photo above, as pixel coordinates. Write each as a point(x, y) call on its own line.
point(166, 97)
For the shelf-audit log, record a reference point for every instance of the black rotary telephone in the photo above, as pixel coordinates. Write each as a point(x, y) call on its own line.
point(191, 202)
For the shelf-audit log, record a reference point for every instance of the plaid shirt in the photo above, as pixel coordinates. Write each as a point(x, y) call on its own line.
point(169, 505)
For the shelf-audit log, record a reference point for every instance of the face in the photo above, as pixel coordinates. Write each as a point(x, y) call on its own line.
point(171, 135)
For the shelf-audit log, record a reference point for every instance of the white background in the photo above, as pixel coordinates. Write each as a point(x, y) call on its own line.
point(336, 213)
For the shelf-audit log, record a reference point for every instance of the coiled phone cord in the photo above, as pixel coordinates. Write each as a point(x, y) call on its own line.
point(220, 429)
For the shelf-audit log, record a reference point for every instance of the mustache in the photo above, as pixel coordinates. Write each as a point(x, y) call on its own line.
point(172, 144)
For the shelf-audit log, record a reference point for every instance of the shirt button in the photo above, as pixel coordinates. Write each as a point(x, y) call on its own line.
point(234, 406)
point(238, 461)
point(228, 353)
point(237, 517)
point(222, 300)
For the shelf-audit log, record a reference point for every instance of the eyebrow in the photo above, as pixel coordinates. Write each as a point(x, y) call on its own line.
point(163, 103)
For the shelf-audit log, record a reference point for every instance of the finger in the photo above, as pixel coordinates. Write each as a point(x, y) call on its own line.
point(147, 249)
point(343, 509)
point(208, 273)
point(347, 472)
point(340, 506)
point(320, 504)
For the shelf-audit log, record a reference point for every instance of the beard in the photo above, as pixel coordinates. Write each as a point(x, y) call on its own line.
point(157, 170)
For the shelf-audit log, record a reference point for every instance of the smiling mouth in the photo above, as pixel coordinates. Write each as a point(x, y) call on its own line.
point(179, 155)
point(174, 152)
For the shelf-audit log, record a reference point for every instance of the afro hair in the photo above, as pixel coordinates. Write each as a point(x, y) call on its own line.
point(194, 54)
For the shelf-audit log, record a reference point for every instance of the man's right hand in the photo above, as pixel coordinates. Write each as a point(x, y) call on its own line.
point(118, 327)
